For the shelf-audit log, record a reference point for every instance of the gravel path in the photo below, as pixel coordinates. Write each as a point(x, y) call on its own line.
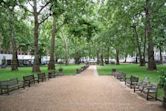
point(84, 92)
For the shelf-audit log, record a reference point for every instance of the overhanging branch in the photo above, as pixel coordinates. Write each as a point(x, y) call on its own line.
point(42, 7)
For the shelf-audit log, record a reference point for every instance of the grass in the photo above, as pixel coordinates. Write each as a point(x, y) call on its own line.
point(6, 74)
point(135, 69)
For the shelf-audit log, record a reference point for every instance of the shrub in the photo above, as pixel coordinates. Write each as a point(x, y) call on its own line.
point(60, 69)
point(162, 82)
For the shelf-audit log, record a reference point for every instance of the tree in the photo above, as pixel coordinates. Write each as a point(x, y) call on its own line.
point(37, 22)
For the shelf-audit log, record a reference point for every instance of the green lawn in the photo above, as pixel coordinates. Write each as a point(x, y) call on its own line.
point(8, 74)
point(134, 69)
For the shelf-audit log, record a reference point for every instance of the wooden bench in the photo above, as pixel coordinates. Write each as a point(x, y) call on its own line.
point(121, 76)
point(141, 85)
point(150, 91)
point(132, 81)
point(3, 66)
point(51, 74)
point(28, 80)
point(41, 77)
point(9, 85)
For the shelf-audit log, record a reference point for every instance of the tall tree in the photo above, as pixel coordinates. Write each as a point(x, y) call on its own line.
point(148, 34)
point(39, 18)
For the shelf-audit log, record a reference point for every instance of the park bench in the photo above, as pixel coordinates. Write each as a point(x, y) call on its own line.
point(51, 74)
point(132, 81)
point(121, 76)
point(141, 85)
point(3, 66)
point(28, 80)
point(150, 91)
point(9, 85)
point(41, 77)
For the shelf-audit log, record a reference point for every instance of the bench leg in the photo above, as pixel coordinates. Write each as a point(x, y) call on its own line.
point(8, 91)
point(156, 96)
point(147, 97)
point(1, 91)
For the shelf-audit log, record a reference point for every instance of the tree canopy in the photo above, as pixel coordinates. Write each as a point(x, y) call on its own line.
point(66, 29)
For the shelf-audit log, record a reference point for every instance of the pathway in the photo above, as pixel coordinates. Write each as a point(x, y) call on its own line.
point(84, 92)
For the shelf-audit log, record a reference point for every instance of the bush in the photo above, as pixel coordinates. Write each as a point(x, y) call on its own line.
point(60, 69)
point(162, 82)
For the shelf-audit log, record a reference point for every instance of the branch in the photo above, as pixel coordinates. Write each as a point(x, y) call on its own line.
point(42, 7)
point(30, 4)
point(24, 7)
point(158, 8)
point(43, 20)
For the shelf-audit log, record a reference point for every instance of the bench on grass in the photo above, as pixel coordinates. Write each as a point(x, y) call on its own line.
point(9, 85)
point(41, 77)
point(121, 76)
point(28, 80)
point(141, 85)
point(150, 91)
point(132, 81)
point(51, 74)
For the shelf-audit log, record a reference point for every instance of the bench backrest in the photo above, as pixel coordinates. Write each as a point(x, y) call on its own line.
point(134, 79)
point(153, 87)
point(9, 82)
point(41, 75)
point(29, 77)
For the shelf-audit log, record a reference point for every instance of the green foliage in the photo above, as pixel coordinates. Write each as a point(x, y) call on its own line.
point(162, 81)
point(6, 74)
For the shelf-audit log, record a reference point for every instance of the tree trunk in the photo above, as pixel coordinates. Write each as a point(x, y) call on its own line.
point(136, 59)
point(66, 51)
point(77, 58)
point(161, 57)
point(144, 50)
point(51, 65)
point(108, 55)
point(148, 30)
point(102, 61)
point(66, 55)
point(117, 57)
point(98, 57)
point(36, 64)
point(139, 48)
point(14, 62)
point(125, 58)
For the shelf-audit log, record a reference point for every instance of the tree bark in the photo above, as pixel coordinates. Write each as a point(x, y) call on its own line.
point(66, 53)
point(102, 61)
point(98, 57)
point(161, 57)
point(141, 60)
point(108, 55)
point(117, 57)
point(36, 64)
point(51, 65)
point(77, 58)
point(136, 59)
point(148, 30)
point(14, 62)
point(125, 58)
